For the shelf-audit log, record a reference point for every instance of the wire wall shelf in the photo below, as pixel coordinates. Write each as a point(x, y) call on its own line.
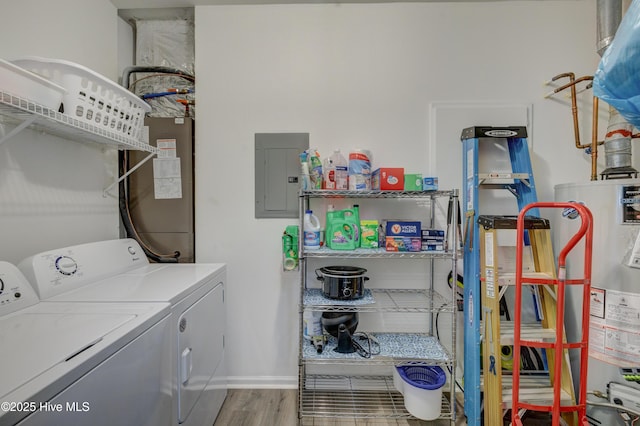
point(26, 113)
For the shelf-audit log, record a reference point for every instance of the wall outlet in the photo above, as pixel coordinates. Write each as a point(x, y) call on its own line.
point(625, 395)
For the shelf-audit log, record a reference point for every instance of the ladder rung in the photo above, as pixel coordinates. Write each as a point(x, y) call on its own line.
point(535, 343)
point(534, 395)
point(503, 175)
point(509, 278)
point(540, 380)
point(528, 331)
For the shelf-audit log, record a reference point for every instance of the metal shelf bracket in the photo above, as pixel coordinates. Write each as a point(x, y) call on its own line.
point(124, 176)
point(26, 123)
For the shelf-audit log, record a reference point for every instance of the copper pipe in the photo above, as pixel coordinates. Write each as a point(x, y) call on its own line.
point(594, 141)
point(573, 83)
point(574, 105)
point(574, 109)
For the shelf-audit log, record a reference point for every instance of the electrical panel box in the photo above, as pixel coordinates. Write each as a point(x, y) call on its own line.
point(277, 173)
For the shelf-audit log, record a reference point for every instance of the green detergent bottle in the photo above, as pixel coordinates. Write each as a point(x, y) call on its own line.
point(342, 229)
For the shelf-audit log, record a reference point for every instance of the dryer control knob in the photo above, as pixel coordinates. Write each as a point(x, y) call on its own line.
point(183, 325)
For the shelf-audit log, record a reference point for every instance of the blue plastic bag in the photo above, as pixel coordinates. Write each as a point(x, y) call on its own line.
point(617, 79)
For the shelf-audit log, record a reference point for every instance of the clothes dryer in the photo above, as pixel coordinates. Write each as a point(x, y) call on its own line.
point(80, 363)
point(117, 271)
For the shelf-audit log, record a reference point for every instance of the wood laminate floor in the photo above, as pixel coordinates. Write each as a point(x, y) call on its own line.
point(278, 407)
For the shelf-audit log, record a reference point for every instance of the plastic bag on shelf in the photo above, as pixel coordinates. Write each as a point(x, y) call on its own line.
point(616, 79)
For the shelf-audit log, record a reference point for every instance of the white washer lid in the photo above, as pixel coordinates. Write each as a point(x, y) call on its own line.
point(40, 341)
point(51, 342)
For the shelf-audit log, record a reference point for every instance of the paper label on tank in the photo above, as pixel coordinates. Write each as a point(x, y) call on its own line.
point(614, 327)
point(166, 148)
point(630, 202)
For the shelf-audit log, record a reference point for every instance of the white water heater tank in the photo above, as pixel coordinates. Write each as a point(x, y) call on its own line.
point(614, 332)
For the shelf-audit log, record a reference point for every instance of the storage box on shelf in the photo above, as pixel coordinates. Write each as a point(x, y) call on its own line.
point(27, 85)
point(372, 395)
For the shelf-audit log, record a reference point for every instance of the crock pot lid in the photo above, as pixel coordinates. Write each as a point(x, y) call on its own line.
point(343, 270)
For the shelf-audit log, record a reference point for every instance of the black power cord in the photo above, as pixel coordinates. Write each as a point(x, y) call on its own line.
point(438, 337)
point(372, 344)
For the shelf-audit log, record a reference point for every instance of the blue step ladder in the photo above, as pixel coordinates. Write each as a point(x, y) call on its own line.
point(520, 182)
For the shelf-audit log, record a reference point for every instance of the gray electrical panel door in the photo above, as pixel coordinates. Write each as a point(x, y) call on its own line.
point(277, 173)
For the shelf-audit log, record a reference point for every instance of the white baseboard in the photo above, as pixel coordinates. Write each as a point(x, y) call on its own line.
point(262, 382)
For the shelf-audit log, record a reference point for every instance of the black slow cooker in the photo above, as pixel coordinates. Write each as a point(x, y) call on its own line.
point(342, 282)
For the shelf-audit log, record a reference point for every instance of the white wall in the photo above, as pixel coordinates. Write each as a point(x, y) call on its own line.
point(50, 188)
point(360, 75)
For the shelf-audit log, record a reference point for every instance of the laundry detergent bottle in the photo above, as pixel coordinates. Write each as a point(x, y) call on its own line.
point(342, 231)
point(311, 228)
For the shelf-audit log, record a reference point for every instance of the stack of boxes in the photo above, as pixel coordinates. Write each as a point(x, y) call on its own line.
point(395, 179)
point(432, 240)
point(403, 236)
point(408, 236)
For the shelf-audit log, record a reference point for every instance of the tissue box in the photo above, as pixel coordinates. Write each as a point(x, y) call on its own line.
point(413, 182)
point(430, 184)
point(388, 179)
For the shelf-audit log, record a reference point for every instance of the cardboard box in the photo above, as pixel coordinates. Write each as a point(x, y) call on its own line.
point(388, 179)
point(413, 182)
point(403, 244)
point(432, 240)
point(430, 184)
point(433, 233)
point(396, 228)
point(369, 233)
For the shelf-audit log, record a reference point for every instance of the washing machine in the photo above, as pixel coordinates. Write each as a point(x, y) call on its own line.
point(80, 363)
point(117, 271)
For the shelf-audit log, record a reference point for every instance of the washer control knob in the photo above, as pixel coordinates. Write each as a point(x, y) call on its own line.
point(132, 251)
point(66, 265)
point(183, 325)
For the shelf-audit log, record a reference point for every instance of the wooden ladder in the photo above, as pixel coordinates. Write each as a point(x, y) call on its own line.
point(503, 381)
